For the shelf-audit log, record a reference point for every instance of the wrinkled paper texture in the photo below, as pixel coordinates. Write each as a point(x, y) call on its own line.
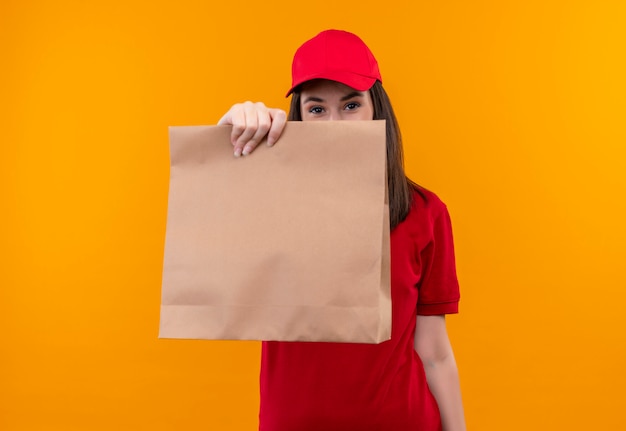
point(289, 243)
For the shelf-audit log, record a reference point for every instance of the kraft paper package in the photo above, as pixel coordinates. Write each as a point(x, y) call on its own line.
point(289, 243)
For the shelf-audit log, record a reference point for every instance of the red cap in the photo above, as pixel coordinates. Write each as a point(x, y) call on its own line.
point(336, 55)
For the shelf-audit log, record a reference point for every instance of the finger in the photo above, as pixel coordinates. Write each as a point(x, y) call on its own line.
point(226, 118)
point(279, 119)
point(235, 117)
point(244, 125)
point(247, 128)
point(264, 122)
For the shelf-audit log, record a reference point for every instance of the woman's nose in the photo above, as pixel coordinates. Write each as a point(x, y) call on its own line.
point(334, 116)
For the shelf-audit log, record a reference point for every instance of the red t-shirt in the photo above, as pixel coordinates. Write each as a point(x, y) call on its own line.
point(370, 387)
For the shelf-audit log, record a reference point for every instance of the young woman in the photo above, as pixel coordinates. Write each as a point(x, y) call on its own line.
point(409, 382)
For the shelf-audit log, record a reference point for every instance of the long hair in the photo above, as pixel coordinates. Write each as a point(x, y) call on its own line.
point(400, 187)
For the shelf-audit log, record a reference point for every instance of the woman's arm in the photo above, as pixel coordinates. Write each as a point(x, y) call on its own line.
point(433, 347)
point(251, 123)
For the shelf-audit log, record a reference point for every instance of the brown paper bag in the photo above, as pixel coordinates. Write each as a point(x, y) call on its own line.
point(289, 243)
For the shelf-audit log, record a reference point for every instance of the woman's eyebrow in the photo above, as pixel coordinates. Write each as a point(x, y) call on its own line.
point(313, 99)
point(343, 99)
point(351, 95)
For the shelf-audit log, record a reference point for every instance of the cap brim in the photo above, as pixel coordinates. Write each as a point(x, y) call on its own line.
point(352, 80)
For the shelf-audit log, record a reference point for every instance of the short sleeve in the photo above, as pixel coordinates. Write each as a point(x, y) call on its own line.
point(439, 286)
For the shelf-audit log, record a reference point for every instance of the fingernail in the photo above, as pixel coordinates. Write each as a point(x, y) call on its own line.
point(246, 150)
point(237, 152)
point(270, 142)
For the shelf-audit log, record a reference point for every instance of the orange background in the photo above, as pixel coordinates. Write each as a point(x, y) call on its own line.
point(513, 112)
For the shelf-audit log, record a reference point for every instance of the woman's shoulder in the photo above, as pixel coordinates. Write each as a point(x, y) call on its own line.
point(427, 218)
point(426, 201)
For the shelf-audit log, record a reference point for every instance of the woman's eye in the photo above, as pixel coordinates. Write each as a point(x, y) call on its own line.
point(316, 110)
point(352, 105)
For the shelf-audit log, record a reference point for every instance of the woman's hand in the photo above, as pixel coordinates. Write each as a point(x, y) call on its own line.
point(251, 123)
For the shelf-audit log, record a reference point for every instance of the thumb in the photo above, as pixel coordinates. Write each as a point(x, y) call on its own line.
point(226, 119)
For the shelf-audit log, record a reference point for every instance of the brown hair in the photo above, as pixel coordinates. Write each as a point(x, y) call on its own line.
point(400, 187)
